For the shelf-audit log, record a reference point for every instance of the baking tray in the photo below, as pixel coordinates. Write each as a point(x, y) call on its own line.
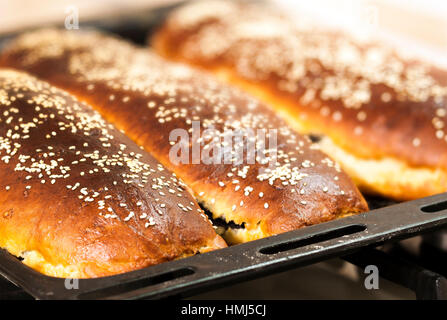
point(386, 221)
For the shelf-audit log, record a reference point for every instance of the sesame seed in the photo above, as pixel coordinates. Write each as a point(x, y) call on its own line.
point(416, 142)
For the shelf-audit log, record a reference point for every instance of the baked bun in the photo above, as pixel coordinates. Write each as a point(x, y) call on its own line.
point(78, 198)
point(381, 116)
point(150, 98)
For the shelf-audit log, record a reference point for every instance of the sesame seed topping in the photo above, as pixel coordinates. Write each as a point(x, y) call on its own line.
point(325, 72)
point(92, 153)
point(416, 142)
point(175, 96)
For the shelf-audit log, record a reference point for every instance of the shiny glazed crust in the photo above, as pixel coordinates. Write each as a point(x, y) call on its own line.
point(372, 103)
point(78, 198)
point(148, 98)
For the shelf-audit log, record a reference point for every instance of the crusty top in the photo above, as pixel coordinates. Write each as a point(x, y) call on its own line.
point(82, 195)
point(367, 97)
point(149, 97)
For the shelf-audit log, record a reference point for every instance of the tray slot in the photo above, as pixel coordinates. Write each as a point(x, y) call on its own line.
point(435, 207)
point(325, 236)
point(137, 284)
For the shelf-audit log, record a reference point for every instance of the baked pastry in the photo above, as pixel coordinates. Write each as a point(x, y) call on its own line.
point(78, 198)
point(382, 116)
point(289, 186)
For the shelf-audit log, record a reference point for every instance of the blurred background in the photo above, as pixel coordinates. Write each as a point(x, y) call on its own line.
point(420, 25)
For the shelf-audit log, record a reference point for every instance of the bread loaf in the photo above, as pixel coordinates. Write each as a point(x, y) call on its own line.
point(150, 98)
point(78, 198)
point(380, 115)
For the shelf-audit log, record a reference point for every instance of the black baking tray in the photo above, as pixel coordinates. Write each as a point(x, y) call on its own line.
point(387, 221)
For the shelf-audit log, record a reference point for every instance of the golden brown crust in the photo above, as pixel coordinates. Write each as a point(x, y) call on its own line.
point(370, 101)
point(80, 199)
point(148, 98)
